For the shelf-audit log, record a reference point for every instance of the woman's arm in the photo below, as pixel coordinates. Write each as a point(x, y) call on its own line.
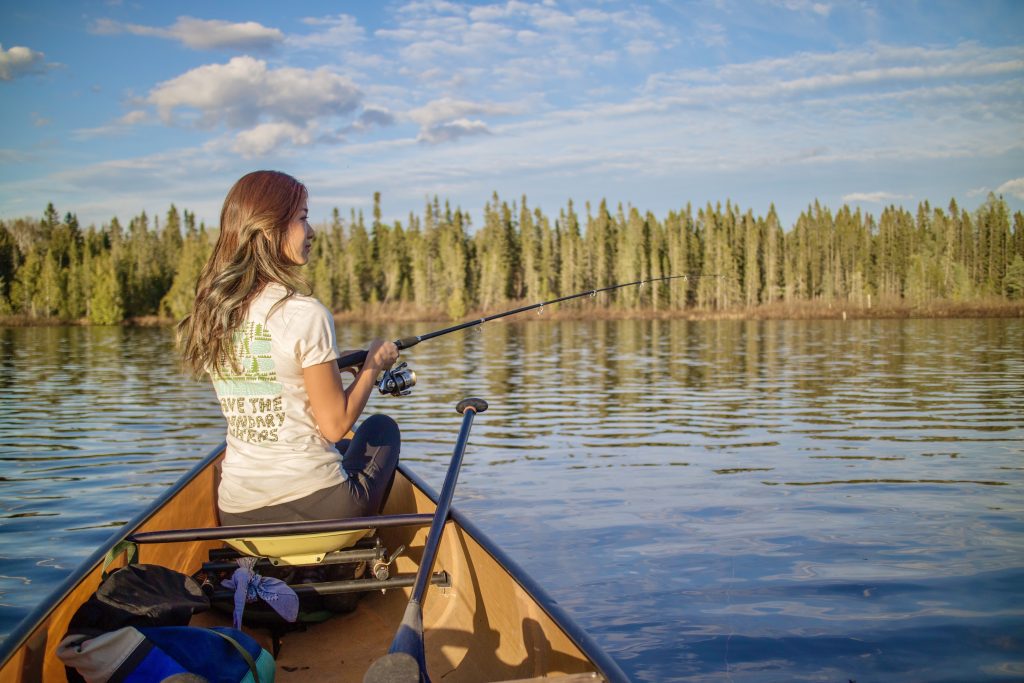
point(336, 408)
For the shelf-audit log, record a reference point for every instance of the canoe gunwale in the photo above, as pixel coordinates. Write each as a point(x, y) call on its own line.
point(27, 626)
point(607, 666)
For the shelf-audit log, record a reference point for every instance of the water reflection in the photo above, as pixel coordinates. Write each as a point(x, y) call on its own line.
point(744, 500)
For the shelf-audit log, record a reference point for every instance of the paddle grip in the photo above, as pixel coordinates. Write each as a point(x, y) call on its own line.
point(477, 405)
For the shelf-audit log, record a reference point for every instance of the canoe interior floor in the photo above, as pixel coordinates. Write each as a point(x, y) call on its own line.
point(339, 649)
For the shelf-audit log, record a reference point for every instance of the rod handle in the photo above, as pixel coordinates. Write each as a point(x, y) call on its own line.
point(406, 342)
point(351, 360)
point(357, 358)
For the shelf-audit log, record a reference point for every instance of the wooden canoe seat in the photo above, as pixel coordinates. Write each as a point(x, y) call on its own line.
point(297, 549)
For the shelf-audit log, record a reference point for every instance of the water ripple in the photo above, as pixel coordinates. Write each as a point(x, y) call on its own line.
point(730, 500)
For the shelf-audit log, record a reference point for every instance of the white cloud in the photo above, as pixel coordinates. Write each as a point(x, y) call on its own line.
point(448, 108)
point(134, 117)
point(341, 31)
point(712, 34)
point(245, 92)
point(267, 137)
point(453, 130)
point(118, 127)
point(20, 61)
point(512, 40)
point(1014, 188)
point(11, 156)
point(874, 197)
point(446, 119)
point(820, 8)
point(371, 117)
point(806, 74)
point(201, 34)
point(640, 48)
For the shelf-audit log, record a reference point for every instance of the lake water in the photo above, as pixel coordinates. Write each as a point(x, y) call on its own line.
point(713, 501)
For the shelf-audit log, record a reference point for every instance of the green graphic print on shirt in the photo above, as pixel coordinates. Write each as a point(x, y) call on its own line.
point(251, 399)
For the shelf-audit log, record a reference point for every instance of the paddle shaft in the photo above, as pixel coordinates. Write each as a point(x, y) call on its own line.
point(444, 504)
point(406, 661)
point(357, 358)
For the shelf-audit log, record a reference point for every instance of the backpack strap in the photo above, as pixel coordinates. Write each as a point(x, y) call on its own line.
point(241, 650)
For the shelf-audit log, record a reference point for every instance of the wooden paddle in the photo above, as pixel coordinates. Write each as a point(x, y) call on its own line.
point(405, 661)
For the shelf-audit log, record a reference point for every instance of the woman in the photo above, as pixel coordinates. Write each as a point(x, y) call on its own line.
point(271, 352)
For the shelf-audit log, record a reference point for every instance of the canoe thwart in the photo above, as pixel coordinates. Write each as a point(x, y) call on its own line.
point(440, 579)
point(589, 677)
point(223, 533)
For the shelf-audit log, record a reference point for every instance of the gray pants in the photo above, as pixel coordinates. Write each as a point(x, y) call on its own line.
point(369, 460)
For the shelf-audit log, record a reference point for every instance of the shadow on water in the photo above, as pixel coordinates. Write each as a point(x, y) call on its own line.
point(713, 500)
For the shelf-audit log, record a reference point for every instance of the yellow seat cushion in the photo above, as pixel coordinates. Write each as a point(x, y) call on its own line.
point(297, 549)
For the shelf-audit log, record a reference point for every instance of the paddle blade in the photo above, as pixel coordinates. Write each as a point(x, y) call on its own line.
point(397, 667)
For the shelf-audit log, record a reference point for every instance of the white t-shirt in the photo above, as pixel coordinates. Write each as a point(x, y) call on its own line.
point(275, 452)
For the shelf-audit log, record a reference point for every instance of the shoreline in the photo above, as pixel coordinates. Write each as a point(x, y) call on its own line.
point(809, 310)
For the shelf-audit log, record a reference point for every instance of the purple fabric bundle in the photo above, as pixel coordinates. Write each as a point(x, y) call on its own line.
point(250, 587)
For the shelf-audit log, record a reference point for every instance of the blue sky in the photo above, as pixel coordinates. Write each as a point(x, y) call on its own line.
point(111, 108)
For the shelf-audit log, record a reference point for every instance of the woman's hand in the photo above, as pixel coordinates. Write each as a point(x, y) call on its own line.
point(336, 408)
point(381, 355)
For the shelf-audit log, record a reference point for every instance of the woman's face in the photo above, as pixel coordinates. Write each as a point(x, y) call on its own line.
point(299, 238)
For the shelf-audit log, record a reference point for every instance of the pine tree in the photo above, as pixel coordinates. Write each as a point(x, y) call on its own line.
point(323, 274)
point(46, 301)
point(632, 258)
point(752, 276)
point(421, 262)
point(454, 244)
point(106, 305)
point(722, 290)
point(772, 240)
point(73, 303)
point(1013, 281)
point(994, 231)
point(195, 250)
point(530, 238)
point(657, 260)
point(359, 263)
point(570, 271)
point(497, 251)
point(9, 258)
point(342, 300)
point(681, 238)
point(602, 242)
point(26, 284)
point(550, 266)
point(390, 254)
point(893, 251)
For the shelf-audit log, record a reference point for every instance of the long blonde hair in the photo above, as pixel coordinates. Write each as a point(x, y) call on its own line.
point(248, 255)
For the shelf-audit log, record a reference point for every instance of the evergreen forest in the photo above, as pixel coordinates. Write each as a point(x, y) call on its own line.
point(439, 263)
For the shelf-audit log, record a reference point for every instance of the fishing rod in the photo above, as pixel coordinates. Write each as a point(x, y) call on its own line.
point(399, 381)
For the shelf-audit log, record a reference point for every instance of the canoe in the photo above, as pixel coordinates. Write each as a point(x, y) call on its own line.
point(485, 620)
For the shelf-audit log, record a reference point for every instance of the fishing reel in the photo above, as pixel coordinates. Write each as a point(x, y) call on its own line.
point(397, 381)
